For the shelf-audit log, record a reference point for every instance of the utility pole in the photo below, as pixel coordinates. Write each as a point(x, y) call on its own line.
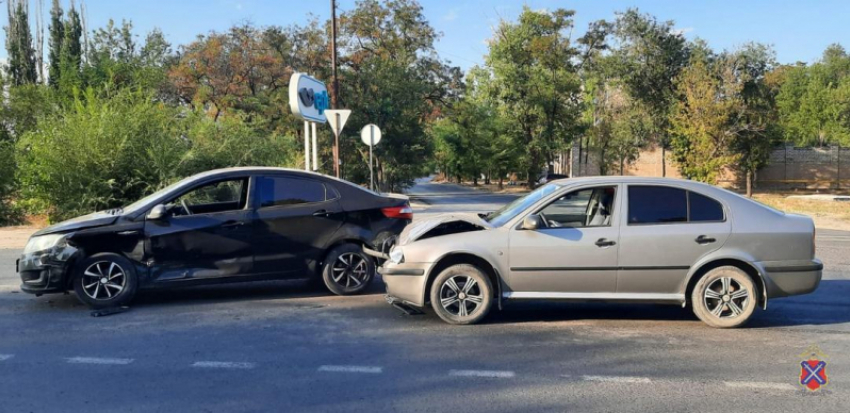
point(335, 84)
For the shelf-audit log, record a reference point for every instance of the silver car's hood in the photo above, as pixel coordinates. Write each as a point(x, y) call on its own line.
point(419, 228)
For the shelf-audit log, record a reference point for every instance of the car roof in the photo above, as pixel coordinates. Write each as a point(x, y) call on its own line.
point(626, 179)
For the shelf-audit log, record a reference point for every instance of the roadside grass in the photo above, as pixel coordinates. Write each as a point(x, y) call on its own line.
point(827, 214)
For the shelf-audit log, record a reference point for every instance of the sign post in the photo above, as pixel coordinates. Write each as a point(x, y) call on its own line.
point(371, 135)
point(337, 119)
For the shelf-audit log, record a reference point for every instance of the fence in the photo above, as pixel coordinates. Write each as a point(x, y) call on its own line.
point(788, 167)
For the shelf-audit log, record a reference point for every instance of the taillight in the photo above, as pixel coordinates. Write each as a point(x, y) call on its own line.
point(399, 212)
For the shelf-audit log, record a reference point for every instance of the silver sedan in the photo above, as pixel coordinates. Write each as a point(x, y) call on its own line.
point(651, 240)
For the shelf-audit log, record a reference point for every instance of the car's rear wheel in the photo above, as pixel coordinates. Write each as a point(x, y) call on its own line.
point(462, 294)
point(724, 297)
point(105, 280)
point(348, 270)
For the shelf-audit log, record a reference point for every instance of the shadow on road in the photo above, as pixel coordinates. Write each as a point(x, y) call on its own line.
point(828, 305)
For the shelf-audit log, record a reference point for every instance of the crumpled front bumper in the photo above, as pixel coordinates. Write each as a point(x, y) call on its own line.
point(405, 282)
point(45, 272)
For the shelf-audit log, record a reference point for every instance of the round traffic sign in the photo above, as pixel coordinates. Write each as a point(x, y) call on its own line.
point(370, 134)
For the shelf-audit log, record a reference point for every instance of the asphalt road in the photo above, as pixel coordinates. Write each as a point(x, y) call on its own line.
point(280, 346)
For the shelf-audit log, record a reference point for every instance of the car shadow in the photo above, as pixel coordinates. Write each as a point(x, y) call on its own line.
point(245, 291)
point(828, 305)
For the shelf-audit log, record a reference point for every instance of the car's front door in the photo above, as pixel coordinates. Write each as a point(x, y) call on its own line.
point(666, 231)
point(296, 220)
point(575, 252)
point(206, 233)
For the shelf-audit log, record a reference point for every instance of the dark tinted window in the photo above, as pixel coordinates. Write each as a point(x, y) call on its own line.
point(657, 204)
point(704, 208)
point(289, 191)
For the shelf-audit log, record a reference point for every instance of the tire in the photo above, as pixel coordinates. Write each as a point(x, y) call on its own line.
point(348, 270)
point(105, 280)
point(714, 297)
point(452, 293)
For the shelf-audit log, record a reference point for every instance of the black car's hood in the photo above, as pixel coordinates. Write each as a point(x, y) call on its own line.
point(96, 219)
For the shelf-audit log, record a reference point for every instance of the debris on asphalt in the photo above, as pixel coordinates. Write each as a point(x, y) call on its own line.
point(109, 311)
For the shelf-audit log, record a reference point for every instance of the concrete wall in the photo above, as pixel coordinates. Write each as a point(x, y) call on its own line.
point(789, 167)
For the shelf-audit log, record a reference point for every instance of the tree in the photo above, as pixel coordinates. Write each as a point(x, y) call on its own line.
point(391, 76)
point(536, 81)
point(703, 120)
point(70, 59)
point(651, 54)
point(21, 66)
point(57, 37)
point(757, 122)
point(813, 103)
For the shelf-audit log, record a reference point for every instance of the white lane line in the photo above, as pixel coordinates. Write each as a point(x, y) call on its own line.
point(223, 365)
point(760, 385)
point(352, 369)
point(482, 373)
point(4, 357)
point(98, 360)
point(617, 379)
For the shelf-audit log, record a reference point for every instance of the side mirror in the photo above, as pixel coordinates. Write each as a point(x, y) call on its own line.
point(158, 212)
point(532, 222)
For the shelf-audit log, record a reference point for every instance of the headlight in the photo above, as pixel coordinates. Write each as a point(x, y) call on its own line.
point(396, 255)
point(44, 242)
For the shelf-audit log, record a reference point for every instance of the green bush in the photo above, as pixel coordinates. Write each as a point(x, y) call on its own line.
point(108, 152)
point(8, 213)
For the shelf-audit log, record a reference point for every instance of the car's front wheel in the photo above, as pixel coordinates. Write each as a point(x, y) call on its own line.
point(105, 280)
point(348, 270)
point(724, 297)
point(462, 294)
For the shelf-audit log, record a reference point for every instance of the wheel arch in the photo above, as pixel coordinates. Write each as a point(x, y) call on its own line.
point(464, 257)
point(743, 265)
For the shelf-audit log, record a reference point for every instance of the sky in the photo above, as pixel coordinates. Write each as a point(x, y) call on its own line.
point(798, 30)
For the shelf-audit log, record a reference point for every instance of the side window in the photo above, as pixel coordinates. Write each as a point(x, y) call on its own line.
point(289, 191)
point(703, 208)
point(229, 195)
point(657, 204)
point(590, 207)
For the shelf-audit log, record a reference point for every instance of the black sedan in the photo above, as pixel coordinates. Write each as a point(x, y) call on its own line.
point(238, 224)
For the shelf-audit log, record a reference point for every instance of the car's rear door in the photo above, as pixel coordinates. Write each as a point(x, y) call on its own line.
point(576, 254)
point(667, 229)
point(296, 219)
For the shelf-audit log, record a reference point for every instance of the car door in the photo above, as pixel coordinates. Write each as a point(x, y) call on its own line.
point(206, 234)
point(576, 253)
point(666, 231)
point(296, 219)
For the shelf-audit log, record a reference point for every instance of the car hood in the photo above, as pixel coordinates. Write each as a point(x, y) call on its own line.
point(96, 219)
point(420, 228)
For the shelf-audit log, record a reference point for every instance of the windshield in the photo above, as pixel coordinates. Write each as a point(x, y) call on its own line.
point(509, 211)
point(144, 201)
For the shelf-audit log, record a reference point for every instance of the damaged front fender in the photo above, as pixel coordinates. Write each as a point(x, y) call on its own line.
point(440, 225)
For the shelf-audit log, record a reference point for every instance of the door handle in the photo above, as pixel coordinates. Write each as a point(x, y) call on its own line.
point(602, 243)
point(702, 240)
point(321, 213)
point(233, 224)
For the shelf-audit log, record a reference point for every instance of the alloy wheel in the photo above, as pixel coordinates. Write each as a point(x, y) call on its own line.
point(461, 295)
point(350, 269)
point(104, 280)
point(726, 298)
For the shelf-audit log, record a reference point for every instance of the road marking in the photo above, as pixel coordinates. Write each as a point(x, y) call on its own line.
point(760, 385)
point(223, 365)
point(98, 360)
point(4, 357)
point(352, 369)
point(617, 379)
point(482, 373)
